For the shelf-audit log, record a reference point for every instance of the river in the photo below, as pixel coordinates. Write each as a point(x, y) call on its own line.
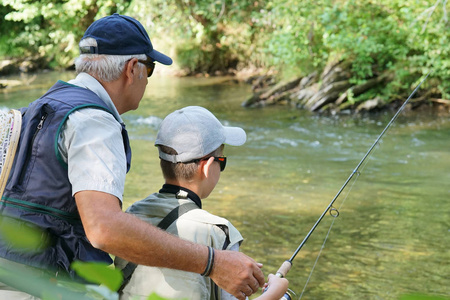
point(392, 234)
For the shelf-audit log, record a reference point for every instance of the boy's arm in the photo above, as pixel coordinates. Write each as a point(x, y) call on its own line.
point(110, 229)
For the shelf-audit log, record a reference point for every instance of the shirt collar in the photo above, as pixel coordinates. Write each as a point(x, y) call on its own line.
point(86, 81)
point(181, 193)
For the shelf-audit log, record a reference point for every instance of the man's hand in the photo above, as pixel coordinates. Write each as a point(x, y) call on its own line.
point(237, 273)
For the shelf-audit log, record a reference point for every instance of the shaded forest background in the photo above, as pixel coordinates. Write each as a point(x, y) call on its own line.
point(323, 54)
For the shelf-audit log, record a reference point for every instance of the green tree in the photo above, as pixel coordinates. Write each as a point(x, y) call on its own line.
point(207, 36)
point(296, 40)
point(406, 37)
point(402, 37)
point(48, 28)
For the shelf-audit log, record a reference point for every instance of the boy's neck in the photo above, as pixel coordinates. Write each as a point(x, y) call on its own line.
point(181, 193)
point(194, 186)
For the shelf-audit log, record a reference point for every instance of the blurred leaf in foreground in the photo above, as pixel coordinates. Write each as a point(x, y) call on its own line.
point(98, 273)
point(22, 235)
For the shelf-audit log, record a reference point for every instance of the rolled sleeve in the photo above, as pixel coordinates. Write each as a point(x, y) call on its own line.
point(91, 144)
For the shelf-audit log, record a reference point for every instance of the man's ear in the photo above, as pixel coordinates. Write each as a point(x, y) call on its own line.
point(130, 69)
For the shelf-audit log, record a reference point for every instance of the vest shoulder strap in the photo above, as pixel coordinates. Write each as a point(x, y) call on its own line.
point(171, 217)
point(175, 214)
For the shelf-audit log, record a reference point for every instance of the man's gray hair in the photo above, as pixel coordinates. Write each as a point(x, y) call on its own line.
point(104, 67)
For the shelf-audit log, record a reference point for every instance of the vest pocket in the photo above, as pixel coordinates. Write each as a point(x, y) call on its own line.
point(35, 126)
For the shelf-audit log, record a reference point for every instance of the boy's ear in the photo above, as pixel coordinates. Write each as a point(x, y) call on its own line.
point(205, 166)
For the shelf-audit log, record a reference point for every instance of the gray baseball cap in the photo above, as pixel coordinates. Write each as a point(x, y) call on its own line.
point(195, 132)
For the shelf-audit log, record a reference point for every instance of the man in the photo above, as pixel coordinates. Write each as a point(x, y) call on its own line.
point(69, 174)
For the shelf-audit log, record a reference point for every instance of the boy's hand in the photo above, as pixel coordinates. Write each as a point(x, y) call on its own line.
point(275, 288)
point(237, 273)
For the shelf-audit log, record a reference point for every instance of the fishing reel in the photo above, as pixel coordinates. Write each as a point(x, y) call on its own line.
point(289, 295)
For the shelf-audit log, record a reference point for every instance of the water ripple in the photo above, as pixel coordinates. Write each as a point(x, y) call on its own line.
point(151, 121)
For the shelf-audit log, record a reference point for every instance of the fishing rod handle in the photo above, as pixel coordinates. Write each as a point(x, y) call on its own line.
point(284, 269)
point(281, 273)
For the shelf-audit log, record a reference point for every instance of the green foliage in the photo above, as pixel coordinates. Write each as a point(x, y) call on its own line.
point(44, 288)
point(28, 238)
point(8, 31)
point(21, 235)
point(407, 38)
point(50, 28)
point(48, 288)
point(428, 39)
point(99, 273)
point(367, 34)
point(206, 36)
point(296, 34)
point(154, 296)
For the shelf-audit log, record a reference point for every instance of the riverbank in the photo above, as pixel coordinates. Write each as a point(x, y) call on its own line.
point(333, 92)
point(329, 92)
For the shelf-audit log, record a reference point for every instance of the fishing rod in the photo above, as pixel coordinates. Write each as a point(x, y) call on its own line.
point(286, 266)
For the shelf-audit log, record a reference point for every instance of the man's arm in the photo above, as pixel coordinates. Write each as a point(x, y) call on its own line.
point(110, 229)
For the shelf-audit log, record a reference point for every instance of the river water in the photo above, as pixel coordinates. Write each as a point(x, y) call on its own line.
point(392, 234)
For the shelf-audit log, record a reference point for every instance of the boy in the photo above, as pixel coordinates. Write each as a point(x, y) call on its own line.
point(190, 142)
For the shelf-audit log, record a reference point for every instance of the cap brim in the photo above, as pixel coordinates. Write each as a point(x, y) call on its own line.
point(159, 57)
point(234, 136)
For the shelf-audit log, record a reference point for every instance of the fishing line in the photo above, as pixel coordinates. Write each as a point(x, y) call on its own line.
point(329, 229)
point(285, 267)
point(326, 237)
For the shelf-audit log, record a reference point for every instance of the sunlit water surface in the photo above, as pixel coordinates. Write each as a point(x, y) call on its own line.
point(392, 235)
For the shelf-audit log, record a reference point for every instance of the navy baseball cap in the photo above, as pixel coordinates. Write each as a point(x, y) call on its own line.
point(121, 35)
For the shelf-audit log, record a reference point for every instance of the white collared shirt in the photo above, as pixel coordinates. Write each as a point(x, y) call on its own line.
point(91, 144)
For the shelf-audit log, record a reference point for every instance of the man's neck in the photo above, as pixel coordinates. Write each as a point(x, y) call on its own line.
point(114, 90)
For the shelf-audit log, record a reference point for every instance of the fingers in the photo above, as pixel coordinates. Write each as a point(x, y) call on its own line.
point(241, 296)
point(247, 275)
point(255, 287)
point(276, 286)
point(259, 276)
point(248, 291)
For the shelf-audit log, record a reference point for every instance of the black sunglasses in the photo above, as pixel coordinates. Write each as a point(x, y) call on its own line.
point(149, 64)
point(221, 159)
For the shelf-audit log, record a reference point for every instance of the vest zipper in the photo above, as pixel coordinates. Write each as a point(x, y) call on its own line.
point(30, 148)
